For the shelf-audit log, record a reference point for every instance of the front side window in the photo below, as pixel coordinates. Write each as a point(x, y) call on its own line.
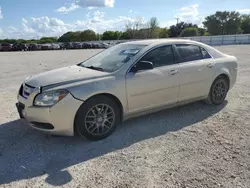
point(161, 56)
point(189, 52)
point(113, 58)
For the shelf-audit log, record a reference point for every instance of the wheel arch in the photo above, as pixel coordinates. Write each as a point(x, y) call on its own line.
point(225, 76)
point(222, 75)
point(223, 72)
point(113, 97)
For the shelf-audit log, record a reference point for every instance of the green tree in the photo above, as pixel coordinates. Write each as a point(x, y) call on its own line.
point(189, 32)
point(77, 36)
point(126, 35)
point(140, 30)
point(12, 41)
point(69, 37)
point(108, 35)
point(88, 35)
point(117, 35)
point(98, 36)
point(135, 29)
point(153, 24)
point(111, 35)
point(223, 23)
point(201, 31)
point(175, 30)
point(163, 33)
point(245, 24)
point(31, 41)
point(44, 40)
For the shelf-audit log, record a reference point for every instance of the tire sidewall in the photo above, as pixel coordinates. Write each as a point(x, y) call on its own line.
point(212, 88)
point(83, 110)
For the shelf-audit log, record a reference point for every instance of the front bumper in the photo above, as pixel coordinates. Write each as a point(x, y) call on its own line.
point(56, 120)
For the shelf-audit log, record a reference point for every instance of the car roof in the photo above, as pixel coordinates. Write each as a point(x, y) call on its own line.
point(160, 41)
point(155, 42)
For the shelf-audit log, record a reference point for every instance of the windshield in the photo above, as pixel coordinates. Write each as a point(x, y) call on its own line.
point(113, 58)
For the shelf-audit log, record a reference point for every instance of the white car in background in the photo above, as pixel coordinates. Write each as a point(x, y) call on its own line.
point(124, 81)
point(55, 46)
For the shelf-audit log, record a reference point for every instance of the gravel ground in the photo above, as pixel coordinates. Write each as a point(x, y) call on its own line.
point(196, 145)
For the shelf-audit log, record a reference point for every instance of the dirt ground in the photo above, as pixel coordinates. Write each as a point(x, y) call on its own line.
point(196, 145)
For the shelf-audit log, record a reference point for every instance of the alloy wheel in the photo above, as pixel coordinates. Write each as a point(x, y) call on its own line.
point(99, 119)
point(219, 92)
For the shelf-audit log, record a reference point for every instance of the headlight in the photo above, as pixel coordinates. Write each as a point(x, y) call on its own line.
point(49, 98)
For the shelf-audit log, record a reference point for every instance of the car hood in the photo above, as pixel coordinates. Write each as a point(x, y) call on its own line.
point(63, 76)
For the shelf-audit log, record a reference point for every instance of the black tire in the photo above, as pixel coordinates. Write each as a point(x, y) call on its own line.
point(213, 97)
point(84, 110)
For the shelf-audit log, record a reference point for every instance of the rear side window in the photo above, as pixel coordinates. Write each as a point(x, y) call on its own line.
point(205, 54)
point(189, 52)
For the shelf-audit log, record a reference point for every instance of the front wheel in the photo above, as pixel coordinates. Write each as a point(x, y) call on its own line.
point(97, 118)
point(218, 91)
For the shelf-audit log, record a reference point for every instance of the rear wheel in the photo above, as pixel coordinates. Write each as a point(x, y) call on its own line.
point(97, 118)
point(218, 91)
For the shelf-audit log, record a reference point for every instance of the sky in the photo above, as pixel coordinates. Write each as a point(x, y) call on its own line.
point(32, 19)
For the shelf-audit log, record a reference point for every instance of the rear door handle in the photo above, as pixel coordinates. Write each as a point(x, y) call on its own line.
point(210, 65)
point(173, 72)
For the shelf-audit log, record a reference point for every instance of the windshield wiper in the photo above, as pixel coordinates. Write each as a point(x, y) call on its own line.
point(94, 68)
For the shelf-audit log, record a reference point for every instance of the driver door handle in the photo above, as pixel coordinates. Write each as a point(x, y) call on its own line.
point(173, 72)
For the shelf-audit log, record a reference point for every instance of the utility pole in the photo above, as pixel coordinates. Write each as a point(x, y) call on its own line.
point(177, 19)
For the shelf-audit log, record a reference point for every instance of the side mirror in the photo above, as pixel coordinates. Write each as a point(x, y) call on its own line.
point(142, 65)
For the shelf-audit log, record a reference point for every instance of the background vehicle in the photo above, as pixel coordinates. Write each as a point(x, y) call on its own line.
point(6, 47)
point(55, 46)
point(86, 45)
point(46, 47)
point(125, 81)
point(76, 45)
point(97, 45)
point(39, 46)
point(33, 47)
point(105, 45)
point(65, 46)
point(19, 47)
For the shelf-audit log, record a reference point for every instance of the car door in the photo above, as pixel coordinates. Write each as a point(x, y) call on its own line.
point(196, 71)
point(156, 87)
